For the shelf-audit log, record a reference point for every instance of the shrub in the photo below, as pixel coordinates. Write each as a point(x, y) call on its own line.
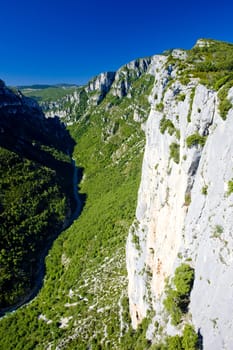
point(204, 190)
point(195, 139)
point(183, 279)
point(177, 299)
point(175, 152)
point(178, 134)
point(160, 106)
point(190, 338)
point(180, 97)
point(218, 230)
point(166, 124)
point(230, 187)
point(171, 304)
point(187, 199)
point(136, 241)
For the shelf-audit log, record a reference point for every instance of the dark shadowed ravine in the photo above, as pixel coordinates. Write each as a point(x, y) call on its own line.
point(80, 200)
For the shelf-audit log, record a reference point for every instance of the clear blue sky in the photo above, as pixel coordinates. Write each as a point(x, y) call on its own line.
point(54, 41)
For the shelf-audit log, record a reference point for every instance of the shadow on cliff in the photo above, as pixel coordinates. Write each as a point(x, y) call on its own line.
point(200, 340)
point(24, 134)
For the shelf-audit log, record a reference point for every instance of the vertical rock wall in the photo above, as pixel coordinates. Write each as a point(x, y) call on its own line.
point(182, 204)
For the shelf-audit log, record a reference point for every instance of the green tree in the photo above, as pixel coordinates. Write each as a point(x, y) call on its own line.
point(190, 338)
point(174, 343)
point(183, 279)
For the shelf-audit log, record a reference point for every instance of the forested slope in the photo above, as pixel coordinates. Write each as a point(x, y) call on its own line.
point(36, 196)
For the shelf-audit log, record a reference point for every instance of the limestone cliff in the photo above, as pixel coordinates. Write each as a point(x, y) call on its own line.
point(184, 210)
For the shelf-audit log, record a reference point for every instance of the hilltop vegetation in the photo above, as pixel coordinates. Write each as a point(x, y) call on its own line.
point(210, 61)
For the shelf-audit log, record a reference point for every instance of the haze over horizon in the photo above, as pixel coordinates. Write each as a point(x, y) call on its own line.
point(50, 42)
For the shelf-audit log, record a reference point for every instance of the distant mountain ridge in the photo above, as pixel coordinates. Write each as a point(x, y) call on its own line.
point(44, 86)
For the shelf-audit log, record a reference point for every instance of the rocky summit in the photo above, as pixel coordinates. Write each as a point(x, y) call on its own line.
point(148, 263)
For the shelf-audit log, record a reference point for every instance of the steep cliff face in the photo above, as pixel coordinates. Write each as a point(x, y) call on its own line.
point(100, 85)
point(128, 73)
point(184, 211)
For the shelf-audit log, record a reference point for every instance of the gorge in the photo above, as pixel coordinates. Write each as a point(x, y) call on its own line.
point(154, 140)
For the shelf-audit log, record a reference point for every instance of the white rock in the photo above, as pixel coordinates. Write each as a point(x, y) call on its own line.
point(167, 226)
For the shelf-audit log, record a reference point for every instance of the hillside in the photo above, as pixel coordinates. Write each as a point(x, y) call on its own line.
point(166, 120)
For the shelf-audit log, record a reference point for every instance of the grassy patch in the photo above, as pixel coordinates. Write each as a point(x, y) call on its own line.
point(51, 93)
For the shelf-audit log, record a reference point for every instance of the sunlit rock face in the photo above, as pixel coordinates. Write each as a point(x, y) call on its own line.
point(184, 209)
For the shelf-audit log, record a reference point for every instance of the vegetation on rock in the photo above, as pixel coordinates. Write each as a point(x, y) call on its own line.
point(175, 152)
point(166, 125)
point(195, 139)
point(177, 298)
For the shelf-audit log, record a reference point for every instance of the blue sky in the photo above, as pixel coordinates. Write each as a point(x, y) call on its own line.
point(54, 41)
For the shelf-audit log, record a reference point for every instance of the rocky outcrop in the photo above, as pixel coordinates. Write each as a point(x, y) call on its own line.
point(74, 105)
point(101, 86)
point(184, 207)
point(126, 74)
point(66, 107)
